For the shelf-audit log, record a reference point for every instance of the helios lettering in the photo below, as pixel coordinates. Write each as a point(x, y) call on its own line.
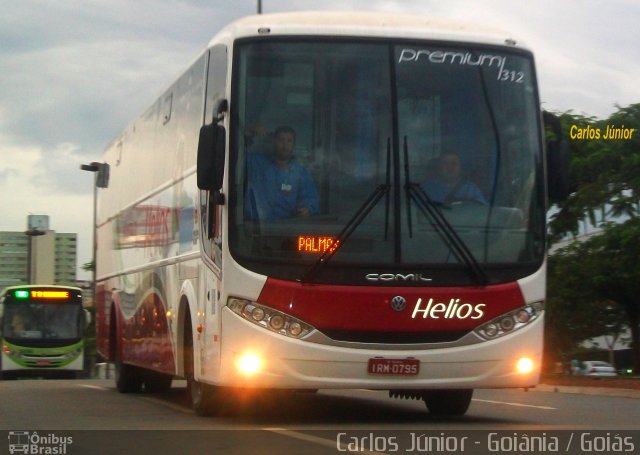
point(452, 310)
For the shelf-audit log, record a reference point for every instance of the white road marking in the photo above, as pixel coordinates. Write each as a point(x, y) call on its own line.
point(548, 408)
point(96, 387)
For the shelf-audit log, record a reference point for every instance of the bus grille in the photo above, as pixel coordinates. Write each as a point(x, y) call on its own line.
point(43, 361)
point(395, 337)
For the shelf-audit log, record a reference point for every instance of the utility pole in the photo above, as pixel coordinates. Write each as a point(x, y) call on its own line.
point(100, 180)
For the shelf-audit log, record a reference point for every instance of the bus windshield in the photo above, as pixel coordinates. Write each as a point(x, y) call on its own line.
point(417, 159)
point(34, 321)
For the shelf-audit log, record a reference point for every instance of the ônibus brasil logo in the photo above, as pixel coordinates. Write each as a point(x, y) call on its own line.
point(30, 442)
point(452, 310)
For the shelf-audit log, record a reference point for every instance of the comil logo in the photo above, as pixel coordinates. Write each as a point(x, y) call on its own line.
point(452, 310)
point(415, 277)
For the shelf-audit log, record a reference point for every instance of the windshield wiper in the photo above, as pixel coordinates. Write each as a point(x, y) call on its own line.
point(446, 231)
point(357, 219)
point(439, 223)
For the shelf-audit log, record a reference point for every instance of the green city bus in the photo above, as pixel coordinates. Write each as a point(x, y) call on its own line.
point(42, 330)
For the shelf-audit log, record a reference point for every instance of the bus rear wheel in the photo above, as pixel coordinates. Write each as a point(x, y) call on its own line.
point(454, 402)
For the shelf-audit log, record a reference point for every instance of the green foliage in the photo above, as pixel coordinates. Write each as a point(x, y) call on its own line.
point(575, 311)
point(602, 272)
point(602, 171)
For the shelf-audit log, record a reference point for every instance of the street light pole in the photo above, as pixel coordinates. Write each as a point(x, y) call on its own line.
point(95, 168)
point(100, 180)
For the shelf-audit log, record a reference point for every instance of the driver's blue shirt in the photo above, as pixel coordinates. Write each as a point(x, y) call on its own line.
point(443, 193)
point(274, 192)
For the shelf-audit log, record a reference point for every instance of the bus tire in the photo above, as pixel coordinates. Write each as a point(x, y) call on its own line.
point(454, 402)
point(203, 398)
point(128, 378)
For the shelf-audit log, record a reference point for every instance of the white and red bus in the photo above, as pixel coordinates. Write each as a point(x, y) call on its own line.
point(378, 282)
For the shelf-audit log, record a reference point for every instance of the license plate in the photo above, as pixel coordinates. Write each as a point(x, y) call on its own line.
point(43, 363)
point(401, 367)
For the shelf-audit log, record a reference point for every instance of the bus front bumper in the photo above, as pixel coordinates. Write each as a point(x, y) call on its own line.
point(254, 357)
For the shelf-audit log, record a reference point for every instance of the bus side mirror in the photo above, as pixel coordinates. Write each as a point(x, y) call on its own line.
point(557, 158)
point(211, 151)
point(558, 170)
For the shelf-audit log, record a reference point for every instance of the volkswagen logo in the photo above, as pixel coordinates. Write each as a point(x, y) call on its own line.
point(398, 303)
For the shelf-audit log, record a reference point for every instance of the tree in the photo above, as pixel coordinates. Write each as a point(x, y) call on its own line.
point(617, 251)
point(603, 172)
point(587, 280)
point(605, 177)
point(575, 311)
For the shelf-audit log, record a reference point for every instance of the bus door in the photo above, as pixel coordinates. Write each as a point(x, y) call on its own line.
point(211, 206)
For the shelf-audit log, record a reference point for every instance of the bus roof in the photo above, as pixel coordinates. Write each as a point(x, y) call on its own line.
point(361, 24)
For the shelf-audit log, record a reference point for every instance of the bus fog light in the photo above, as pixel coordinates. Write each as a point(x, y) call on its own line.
point(524, 365)
point(507, 324)
point(257, 314)
point(247, 310)
point(249, 364)
point(523, 316)
point(276, 322)
point(295, 329)
point(491, 330)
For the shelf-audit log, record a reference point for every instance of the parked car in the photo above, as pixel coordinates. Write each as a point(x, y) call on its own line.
point(597, 368)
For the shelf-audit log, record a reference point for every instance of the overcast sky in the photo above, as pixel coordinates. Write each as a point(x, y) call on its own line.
point(74, 73)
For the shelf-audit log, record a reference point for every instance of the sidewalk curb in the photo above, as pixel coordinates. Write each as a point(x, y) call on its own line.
point(602, 391)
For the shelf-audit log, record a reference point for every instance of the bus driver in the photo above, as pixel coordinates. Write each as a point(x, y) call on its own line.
point(278, 186)
point(450, 185)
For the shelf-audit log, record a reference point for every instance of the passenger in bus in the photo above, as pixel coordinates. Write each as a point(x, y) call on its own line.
point(64, 323)
point(278, 186)
point(448, 184)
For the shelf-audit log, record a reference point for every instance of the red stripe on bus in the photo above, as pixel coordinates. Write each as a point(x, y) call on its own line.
point(368, 308)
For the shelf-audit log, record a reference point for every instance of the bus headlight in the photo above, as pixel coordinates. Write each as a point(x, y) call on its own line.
point(511, 321)
point(268, 318)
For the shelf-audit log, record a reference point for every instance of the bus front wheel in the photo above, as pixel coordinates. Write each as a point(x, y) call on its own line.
point(454, 402)
point(203, 397)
